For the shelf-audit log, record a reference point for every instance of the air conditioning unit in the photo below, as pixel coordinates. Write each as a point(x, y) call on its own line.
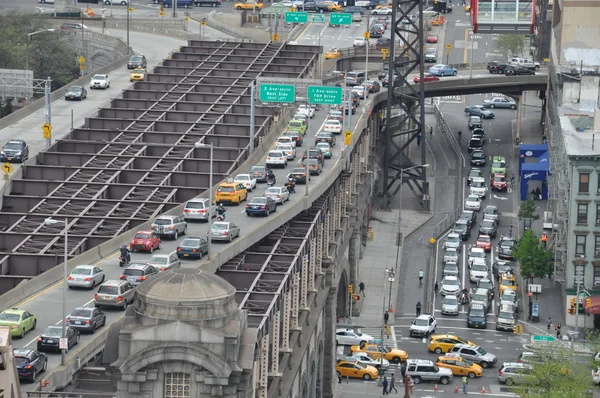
point(597, 254)
point(596, 283)
point(598, 221)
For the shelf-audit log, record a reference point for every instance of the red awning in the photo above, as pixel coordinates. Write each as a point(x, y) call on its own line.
point(594, 308)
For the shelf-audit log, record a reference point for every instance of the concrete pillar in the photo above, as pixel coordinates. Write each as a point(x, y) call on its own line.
point(520, 104)
point(330, 384)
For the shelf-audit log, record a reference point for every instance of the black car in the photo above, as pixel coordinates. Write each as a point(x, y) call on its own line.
point(373, 86)
point(15, 151)
point(299, 174)
point(259, 172)
point(474, 144)
point(376, 33)
point(261, 206)
point(501, 268)
point(513, 70)
point(469, 216)
point(137, 61)
point(296, 136)
point(479, 110)
point(496, 67)
point(86, 319)
point(76, 93)
point(48, 341)
point(384, 73)
point(462, 228)
point(192, 248)
point(30, 363)
point(479, 133)
point(323, 136)
point(478, 158)
point(488, 227)
point(505, 248)
point(314, 153)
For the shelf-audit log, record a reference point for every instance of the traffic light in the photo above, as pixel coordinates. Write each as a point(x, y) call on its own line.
point(350, 289)
point(572, 301)
point(588, 302)
point(356, 297)
point(573, 309)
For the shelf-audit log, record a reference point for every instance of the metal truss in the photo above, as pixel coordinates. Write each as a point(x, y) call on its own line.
point(137, 159)
point(408, 36)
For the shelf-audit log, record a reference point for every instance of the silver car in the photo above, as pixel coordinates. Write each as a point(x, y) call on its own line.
point(165, 262)
point(198, 209)
point(491, 213)
point(170, 226)
point(114, 293)
point(224, 230)
point(453, 240)
point(279, 194)
point(135, 274)
point(451, 255)
point(85, 276)
point(450, 305)
point(86, 319)
point(450, 269)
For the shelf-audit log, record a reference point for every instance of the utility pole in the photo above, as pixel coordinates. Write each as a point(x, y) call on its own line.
point(252, 117)
point(174, 8)
point(48, 106)
point(128, 26)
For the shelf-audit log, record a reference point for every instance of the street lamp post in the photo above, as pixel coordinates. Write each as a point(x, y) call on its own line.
point(29, 35)
point(210, 192)
point(51, 221)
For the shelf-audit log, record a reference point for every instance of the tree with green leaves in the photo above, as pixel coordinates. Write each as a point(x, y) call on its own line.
point(512, 44)
point(534, 259)
point(528, 210)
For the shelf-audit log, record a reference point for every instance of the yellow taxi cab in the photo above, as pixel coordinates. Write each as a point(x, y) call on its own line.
point(440, 343)
point(137, 75)
point(333, 53)
point(468, 8)
point(248, 5)
point(388, 4)
point(334, 8)
point(350, 367)
point(507, 281)
point(231, 192)
point(460, 366)
point(393, 355)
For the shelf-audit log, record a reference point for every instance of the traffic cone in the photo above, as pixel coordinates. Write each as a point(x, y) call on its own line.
point(483, 390)
point(456, 388)
point(435, 388)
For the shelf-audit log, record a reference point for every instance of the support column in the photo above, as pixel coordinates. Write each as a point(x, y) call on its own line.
point(313, 260)
point(330, 383)
point(264, 366)
point(320, 245)
point(340, 209)
point(520, 104)
point(327, 234)
point(304, 284)
point(275, 344)
point(295, 301)
point(287, 309)
point(344, 202)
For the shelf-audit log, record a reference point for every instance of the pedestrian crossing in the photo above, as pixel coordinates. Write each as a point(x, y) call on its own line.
point(390, 340)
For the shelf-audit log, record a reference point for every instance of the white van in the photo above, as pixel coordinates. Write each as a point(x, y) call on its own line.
point(525, 62)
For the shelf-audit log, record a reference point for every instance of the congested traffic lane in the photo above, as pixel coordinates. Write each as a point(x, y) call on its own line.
point(46, 304)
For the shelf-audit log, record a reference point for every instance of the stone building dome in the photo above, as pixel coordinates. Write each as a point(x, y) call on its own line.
point(186, 294)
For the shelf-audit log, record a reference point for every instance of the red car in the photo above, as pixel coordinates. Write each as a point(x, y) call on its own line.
point(145, 240)
point(498, 182)
point(484, 242)
point(432, 38)
point(428, 77)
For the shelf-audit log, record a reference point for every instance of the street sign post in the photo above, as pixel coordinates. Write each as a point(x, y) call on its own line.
point(348, 137)
point(277, 93)
point(324, 95)
point(296, 17)
point(542, 338)
point(317, 18)
point(340, 18)
point(46, 130)
point(7, 168)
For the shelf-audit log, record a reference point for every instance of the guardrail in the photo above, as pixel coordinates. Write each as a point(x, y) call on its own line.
point(221, 27)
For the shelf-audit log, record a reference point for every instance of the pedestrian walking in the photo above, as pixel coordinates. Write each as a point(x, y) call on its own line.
point(430, 131)
point(419, 139)
point(384, 384)
point(465, 382)
point(510, 232)
point(558, 326)
point(544, 140)
point(386, 317)
point(436, 287)
point(392, 384)
point(418, 308)
point(339, 378)
point(361, 289)
point(410, 382)
point(544, 239)
point(512, 181)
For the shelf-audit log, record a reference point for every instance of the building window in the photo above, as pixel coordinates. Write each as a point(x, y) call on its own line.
point(597, 246)
point(582, 213)
point(596, 276)
point(177, 385)
point(580, 244)
point(584, 182)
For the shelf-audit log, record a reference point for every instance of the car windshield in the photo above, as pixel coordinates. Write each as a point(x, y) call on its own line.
point(257, 169)
point(479, 267)
point(275, 154)
point(242, 177)
point(141, 236)
point(477, 313)
point(295, 124)
point(508, 296)
point(486, 284)
point(82, 312)
point(484, 239)
point(451, 282)
point(460, 227)
point(273, 190)
point(490, 211)
point(421, 322)
point(505, 314)
point(21, 361)
point(507, 243)
point(333, 122)
point(108, 290)
point(162, 221)
point(13, 146)
point(450, 300)
point(499, 178)
point(478, 155)
point(218, 226)
point(477, 254)
point(190, 243)
point(259, 200)
point(10, 317)
point(76, 89)
point(324, 147)
point(81, 271)
point(451, 252)
point(133, 272)
point(161, 260)
point(498, 164)
point(225, 189)
point(508, 282)
point(53, 331)
point(99, 77)
point(453, 239)
point(481, 351)
point(472, 198)
point(136, 58)
point(478, 184)
point(194, 205)
point(487, 223)
point(450, 267)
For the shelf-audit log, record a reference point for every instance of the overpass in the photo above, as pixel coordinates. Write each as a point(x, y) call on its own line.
point(126, 151)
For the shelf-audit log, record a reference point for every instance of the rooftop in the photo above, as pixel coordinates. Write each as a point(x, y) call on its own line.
point(579, 139)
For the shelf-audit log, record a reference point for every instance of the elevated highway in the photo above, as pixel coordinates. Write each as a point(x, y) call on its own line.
point(136, 146)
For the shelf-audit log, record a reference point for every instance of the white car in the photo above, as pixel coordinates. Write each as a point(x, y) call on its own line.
point(478, 187)
point(367, 360)
point(479, 270)
point(477, 254)
point(121, 2)
point(360, 91)
point(473, 202)
point(85, 276)
point(276, 158)
point(352, 337)
point(450, 286)
point(596, 376)
point(247, 180)
point(422, 326)
point(509, 297)
point(430, 12)
point(333, 126)
point(453, 240)
point(450, 305)
point(100, 81)
point(286, 140)
point(278, 194)
point(451, 255)
point(382, 11)
point(306, 110)
point(359, 42)
point(288, 149)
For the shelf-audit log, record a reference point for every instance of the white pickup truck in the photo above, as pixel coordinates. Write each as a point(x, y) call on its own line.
point(525, 62)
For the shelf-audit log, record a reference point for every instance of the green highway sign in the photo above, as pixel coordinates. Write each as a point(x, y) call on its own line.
point(296, 17)
point(317, 18)
point(324, 95)
point(541, 338)
point(338, 18)
point(277, 93)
